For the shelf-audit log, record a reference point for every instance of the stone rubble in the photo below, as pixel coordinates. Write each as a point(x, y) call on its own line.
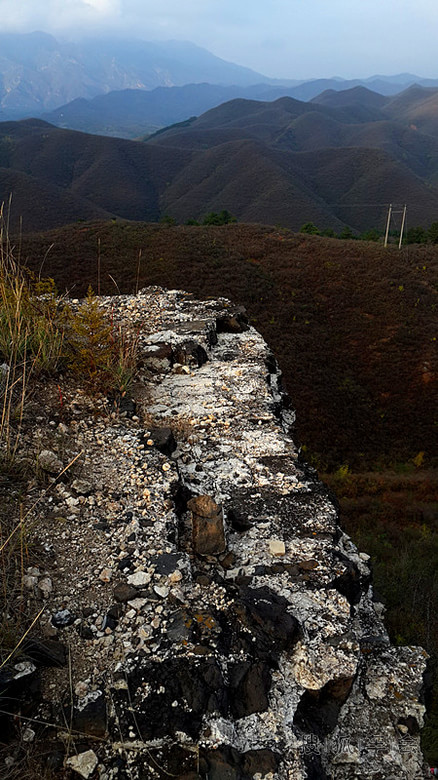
point(219, 623)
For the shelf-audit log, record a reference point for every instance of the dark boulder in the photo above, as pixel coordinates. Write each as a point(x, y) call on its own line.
point(249, 688)
point(260, 624)
point(180, 693)
point(164, 440)
point(191, 354)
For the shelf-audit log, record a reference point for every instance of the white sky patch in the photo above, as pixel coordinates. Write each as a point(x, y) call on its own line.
point(106, 7)
point(52, 15)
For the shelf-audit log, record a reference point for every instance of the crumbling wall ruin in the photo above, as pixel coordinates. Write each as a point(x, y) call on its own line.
point(220, 623)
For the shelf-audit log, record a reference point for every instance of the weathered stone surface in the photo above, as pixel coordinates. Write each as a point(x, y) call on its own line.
point(48, 461)
point(260, 762)
point(233, 323)
point(254, 662)
point(277, 547)
point(228, 763)
point(168, 563)
point(261, 624)
point(63, 618)
point(139, 579)
point(250, 683)
point(124, 592)
point(207, 526)
point(181, 693)
point(45, 587)
point(158, 357)
point(89, 714)
point(83, 764)
point(190, 353)
point(82, 487)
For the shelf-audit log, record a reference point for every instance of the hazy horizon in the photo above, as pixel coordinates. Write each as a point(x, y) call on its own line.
point(288, 40)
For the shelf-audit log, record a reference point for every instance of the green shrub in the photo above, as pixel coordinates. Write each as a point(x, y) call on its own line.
point(346, 233)
point(310, 228)
point(167, 220)
point(223, 218)
point(370, 235)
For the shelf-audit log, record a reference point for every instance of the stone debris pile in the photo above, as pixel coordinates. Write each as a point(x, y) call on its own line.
point(218, 621)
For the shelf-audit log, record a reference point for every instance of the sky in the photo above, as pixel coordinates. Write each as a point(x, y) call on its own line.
point(294, 39)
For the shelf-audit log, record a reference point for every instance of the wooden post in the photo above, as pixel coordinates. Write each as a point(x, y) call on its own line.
point(387, 224)
point(402, 226)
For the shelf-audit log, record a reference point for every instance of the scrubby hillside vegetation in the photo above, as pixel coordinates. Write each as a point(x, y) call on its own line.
point(353, 324)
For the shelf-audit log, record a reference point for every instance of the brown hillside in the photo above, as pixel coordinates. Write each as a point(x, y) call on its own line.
point(311, 131)
point(78, 176)
point(270, 186)
point(353, 325)
point(348, 97)
point(314, 131)
point(42, 203)
point(357, 184)
point(417, 106)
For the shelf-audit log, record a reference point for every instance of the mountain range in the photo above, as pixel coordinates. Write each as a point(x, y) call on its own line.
point(39, 73)
point(336, 162)
point(133, 113)
point(90, 84)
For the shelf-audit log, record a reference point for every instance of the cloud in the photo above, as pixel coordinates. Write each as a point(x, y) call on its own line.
point(52, 15)
point(285, 38)
point(174, 16)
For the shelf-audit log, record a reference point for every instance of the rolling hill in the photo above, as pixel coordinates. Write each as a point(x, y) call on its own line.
point(77, 176)
point(351, 167)
point(359, 95)
point(416, 106)
point(282, 162)
point(130, 113)
point(133, 112)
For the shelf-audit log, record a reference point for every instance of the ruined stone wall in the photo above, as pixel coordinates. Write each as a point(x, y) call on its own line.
point(229, 629)
point(282, 632)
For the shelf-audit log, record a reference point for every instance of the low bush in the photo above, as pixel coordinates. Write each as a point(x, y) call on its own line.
point(104, 357)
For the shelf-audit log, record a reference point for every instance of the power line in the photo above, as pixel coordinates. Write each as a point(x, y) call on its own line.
point(362, 205)
point(393, 208)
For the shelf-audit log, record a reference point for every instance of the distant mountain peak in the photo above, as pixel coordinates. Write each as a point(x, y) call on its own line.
point(39, 73)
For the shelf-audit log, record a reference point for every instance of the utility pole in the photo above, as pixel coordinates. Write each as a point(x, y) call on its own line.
point(388, 220)
point(402, 226)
